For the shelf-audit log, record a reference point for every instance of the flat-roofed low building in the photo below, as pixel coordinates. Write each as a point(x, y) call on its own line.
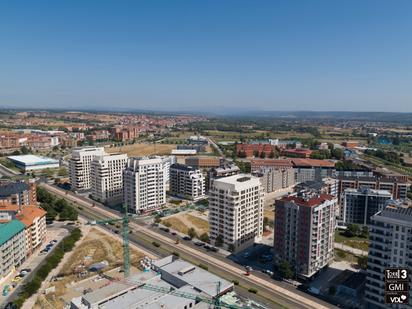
point(33, 163)
point(169, 283)
point(203, 162)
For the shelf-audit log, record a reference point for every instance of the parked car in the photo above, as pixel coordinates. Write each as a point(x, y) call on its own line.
point(214, 249)
point(173, 233)
point(27, 270)
point(268, 272)
point(6, 290)
point(199, 243)
point(187, 238)
point(54, 241)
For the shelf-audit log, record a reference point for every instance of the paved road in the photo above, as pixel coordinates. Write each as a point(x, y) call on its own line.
point(287, 297)
point(34, 262)
point(7, 172)
point(214, 145)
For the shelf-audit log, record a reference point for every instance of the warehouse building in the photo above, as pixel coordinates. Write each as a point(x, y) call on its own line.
point(33, 163)
point(157, 288)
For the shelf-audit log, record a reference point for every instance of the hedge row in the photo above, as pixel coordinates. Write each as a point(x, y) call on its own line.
point(51, 262)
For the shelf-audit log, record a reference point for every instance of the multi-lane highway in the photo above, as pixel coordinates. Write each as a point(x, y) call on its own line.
point(277, 294)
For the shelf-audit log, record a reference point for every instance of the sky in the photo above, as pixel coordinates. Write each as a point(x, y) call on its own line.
point(209, 56)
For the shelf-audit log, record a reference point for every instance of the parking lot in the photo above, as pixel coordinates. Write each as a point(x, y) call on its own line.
point(18, 277)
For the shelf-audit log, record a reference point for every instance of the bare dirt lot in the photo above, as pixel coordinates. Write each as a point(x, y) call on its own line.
point(96, 247)
point(143, 149)
point(183, 221)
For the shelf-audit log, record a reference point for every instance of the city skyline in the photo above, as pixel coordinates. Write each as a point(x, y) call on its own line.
point(206, 57)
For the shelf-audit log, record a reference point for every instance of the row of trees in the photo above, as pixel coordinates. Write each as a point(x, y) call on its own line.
point(390, 156)
point(56, 208)
point(51, 262)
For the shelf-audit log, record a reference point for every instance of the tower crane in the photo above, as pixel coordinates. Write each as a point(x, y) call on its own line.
point(215, 301)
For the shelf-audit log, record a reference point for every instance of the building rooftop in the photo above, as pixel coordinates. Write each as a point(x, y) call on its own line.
point(272, 162)
point(33, 160)
point(312, 163)
point(190, 274)
point(237, 181)
point(29, 213)
point(6, 206)
point(9, 229)
point(182, 167)
point(310, 201)
point(9, 188)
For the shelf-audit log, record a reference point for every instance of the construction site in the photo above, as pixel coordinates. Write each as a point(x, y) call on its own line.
point(102, 272)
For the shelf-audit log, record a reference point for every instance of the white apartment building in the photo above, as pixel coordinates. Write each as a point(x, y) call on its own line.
point(80, 167)
point(167, 162)
point(144, 184)
point(305, 229)
point(107, 178)
point(236, 211)
point(12, 247)
point(187, 182)
point(390, 238)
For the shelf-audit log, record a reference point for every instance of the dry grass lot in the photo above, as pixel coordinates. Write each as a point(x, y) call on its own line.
point(143, 149)
point(96, 247)
point(183, 221)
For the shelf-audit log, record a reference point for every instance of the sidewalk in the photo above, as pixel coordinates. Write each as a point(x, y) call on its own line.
point(29, 303)
point(33, 261)
point(350, 249)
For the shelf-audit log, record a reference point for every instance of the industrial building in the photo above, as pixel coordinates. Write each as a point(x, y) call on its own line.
point(236, 211)
point(33, 163)
point(157, 288)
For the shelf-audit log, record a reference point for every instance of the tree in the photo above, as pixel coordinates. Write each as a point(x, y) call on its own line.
point(262, 155)
point(24, 150)
point(265, 222)
point(191, 232)
point(285, 270)
point(272, 155)
point(363, 261)
point(219, 241)
point(205, 237)
point(62, 172)
point(337, 153)
point(365, 231)
point(352, 230)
